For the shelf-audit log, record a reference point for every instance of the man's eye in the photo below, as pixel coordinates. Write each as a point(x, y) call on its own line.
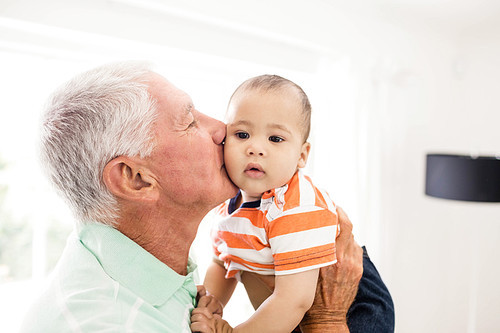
point(242, 135)
point(275, 138)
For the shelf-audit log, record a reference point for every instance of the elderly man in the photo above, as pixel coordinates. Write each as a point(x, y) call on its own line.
point(140, 166)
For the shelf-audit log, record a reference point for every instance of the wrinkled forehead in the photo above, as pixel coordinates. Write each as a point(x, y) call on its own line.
point(168, 97)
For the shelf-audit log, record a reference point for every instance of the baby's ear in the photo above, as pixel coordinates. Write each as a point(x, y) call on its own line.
point(304, 154)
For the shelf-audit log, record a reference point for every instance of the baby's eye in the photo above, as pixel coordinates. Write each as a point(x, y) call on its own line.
point(275, 138)
point(242, 135)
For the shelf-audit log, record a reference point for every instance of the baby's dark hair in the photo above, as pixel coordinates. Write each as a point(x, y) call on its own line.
point(277, 83)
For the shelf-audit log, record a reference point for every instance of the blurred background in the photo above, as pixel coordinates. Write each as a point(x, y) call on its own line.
point(389, 82)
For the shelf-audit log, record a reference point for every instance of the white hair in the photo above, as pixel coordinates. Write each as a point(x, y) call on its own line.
point(97, 116)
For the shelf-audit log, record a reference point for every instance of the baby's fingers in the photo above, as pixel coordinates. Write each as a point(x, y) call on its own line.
point(211, 303)
point(201, 314)
point(201, 327)
point(202, 321)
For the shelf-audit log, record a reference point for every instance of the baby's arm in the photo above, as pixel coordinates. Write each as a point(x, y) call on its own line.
point(283, 310)
point(216, 283)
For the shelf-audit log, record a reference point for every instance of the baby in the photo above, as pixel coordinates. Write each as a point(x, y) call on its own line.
point(280, 229)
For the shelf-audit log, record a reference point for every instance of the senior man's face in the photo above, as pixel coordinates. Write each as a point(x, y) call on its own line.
point(188, 158)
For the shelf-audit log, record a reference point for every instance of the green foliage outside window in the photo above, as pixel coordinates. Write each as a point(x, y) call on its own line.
point(16, 240)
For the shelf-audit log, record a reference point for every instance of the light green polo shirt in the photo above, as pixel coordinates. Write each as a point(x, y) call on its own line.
point(105, 282)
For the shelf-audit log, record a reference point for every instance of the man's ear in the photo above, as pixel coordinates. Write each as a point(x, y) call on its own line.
point(127, 178)
point(304, 154)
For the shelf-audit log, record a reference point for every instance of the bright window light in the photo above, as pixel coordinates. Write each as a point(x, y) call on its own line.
point(34, 221)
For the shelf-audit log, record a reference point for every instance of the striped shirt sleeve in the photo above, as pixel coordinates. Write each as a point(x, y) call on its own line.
point(302, 239)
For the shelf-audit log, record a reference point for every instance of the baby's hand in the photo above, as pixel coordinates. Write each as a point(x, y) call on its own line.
point(207, 317)
point(206, 300)
point(204, 321)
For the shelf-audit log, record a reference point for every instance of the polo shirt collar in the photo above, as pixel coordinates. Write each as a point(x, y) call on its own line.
point(249, 204)
point(133, 267)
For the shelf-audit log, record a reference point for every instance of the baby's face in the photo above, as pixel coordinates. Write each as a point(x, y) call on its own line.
point(264, 143)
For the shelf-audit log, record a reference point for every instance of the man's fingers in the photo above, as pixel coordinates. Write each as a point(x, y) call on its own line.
point(352, 262)
point(349, 253)
point(345, 238)
point(358, 259)
point(345, 223)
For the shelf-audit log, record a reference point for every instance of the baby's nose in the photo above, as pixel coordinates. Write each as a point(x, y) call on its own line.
point(255, 150)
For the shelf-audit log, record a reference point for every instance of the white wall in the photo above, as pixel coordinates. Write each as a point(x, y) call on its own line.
point(439, 257)
point(413, 88)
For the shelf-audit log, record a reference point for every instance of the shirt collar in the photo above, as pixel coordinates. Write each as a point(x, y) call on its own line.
point(133, 267)
point(250, 204)
point(266, 195)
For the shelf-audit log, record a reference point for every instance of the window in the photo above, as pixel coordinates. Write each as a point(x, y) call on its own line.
point(34, 221)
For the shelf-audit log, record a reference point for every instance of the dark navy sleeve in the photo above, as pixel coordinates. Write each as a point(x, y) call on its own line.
point(372, 309)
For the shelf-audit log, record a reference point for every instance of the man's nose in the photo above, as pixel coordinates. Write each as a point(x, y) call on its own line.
point(217, 129)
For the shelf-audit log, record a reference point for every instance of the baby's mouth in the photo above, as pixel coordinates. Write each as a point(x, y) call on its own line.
point(254, 170)
point(253, 167)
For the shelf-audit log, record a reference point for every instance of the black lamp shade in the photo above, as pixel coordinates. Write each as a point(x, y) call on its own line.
point(464, 178)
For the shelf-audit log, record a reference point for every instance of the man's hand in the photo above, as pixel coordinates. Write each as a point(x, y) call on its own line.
point(337, 284)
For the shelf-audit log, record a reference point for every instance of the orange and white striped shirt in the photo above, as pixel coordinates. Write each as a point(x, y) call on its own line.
point(291, 229)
